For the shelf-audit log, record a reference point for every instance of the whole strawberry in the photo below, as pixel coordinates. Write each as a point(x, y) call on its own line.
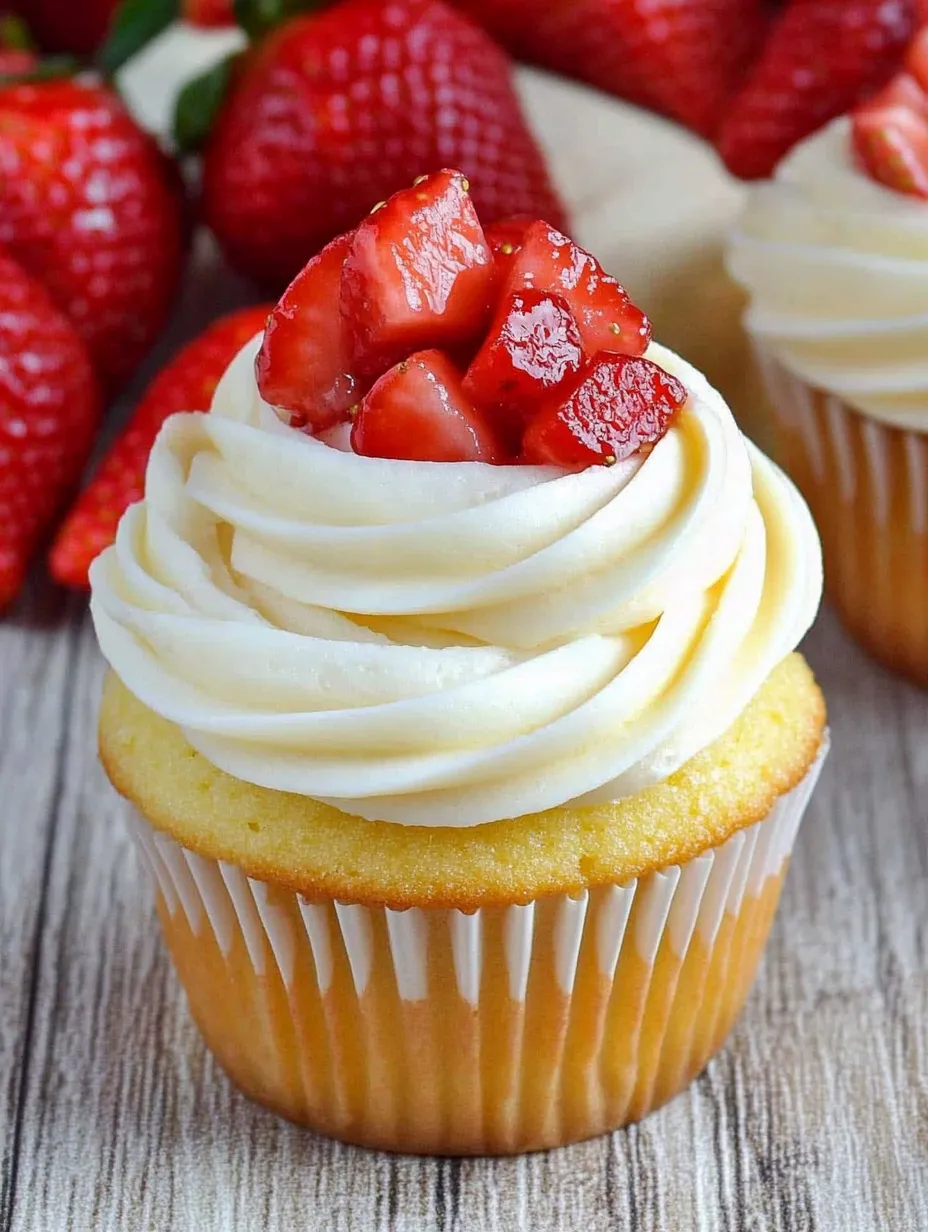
point(186, 384)
point(822, 57)
point(335, 111)
point(49, 409)
point(88, 208)
point(680, 57)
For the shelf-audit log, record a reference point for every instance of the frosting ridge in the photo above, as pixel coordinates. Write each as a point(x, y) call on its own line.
point(452, 643)
point(836, 267)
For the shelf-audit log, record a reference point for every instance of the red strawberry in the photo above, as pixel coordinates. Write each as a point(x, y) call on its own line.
point(616, 406)
point(79, 26)
point(49, 409)
point(336, 110)
point(680, 57)
point(533, 347)
point(186, 384)
point(88, 209)
point(822, 57)
point(209, 12)
point(608, 320)
point(891, 141)
point(419, 411)
point(306, 362)
point(902, 91)
point(418, 274)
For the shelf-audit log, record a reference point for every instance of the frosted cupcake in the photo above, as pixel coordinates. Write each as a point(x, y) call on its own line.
point(456, 694)
point(834, 255)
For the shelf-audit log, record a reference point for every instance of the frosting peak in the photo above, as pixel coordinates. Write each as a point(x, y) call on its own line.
point(452, 643)
point(836, 267)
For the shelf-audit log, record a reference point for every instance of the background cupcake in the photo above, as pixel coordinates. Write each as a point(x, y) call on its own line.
point(834, 254)
point(468, 789)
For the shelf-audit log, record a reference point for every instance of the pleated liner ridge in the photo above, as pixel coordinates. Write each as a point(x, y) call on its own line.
point(509, 1029)
point(867, 486)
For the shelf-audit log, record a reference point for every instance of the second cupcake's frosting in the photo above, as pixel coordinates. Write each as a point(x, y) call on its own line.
point(452, 644)
point(837, 269)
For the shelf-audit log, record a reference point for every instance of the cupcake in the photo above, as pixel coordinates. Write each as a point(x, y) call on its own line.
point(454, 690)
point(834, 255)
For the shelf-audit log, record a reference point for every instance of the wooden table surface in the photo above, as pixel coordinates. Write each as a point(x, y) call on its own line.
point(113, 1115)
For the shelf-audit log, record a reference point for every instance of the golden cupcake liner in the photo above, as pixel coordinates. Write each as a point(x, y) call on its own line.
point(867, 486)
point(508, 1029)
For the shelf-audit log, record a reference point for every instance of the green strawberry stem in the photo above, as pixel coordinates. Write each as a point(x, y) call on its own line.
point(257, 17)
point(198, 104)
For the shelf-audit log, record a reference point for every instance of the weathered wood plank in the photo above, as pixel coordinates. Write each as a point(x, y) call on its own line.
point(36, 652)
point(815, 1117)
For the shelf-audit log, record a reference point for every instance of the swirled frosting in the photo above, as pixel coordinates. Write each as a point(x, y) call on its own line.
point(836, 266)
point(452, 644)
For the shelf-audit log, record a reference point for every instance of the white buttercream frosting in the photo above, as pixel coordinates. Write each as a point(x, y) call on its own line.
point(452, 644)
point(836, 266)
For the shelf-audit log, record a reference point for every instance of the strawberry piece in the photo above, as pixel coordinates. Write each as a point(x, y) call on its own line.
point(822, 57)
point(902, 91)
point(531, 350)
point(337, 109)
point(607, 319)
point(305, 364)
point(186, 384)
point(618, 405)
point(891, 142)
point(680, 57)
point(916, 60)
point(88, 208)
point(419, 411)
point(504, 240)
point(49, 409)
point(418, 273)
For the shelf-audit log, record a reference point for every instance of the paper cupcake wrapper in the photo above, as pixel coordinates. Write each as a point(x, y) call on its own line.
point(507, 1029)
point(867, 486)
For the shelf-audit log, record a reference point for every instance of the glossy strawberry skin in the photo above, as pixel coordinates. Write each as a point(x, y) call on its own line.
point(306, 364)
point(532, 348)
point(337, 110)
point(88, 208)
point(419, 411)
point(187, 383)
point(49, 409)
point(546, 260)
point(616, 406)
point(822, 57)
point(418, 274)
point(683, 58)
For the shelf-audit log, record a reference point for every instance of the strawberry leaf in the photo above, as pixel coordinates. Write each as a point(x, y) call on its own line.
point(198, 104)
point(135, 24)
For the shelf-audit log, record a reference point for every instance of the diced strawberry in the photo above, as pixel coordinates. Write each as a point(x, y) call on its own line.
point(608, 320)
point(617, 405)
point(892, 144)
point(532, 348)
point(418, 274)
point(902, 91)
point(505, 239)
point(304, 367)
point(419, 411)
point(916, 59)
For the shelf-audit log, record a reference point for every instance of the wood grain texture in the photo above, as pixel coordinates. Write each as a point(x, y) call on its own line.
point(113, 1116)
